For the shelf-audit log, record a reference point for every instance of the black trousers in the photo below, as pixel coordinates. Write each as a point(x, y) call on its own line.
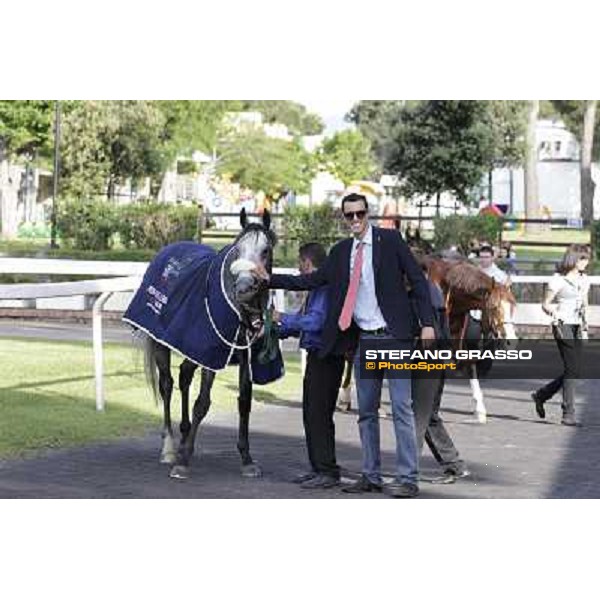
point(568, 340)
point(427, 393)
point(322, 380)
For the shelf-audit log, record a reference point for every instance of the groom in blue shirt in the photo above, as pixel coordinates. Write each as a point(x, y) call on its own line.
point(322, 377)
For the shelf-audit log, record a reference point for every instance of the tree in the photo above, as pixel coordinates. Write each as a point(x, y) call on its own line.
point(85, 160)
point(291, 114)
point(266, 164)
point(347, 155)
point(442, 146)
point(25, 131)
point(587, 143)
point(531, 188)
point(378, 121)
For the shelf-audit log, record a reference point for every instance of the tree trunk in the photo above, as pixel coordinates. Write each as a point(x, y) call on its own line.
point(532, 207)
point(587, 144)
point(9, 198)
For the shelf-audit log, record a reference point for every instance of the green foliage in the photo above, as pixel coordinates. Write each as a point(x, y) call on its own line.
point(292, 114)
point(508, 123)
point(460, 230)
point(86, 225)
point(259, 162)
point(153, 225)
point(595, 238)
point(85, 158)
point(92, 225)
point(378, 121)
point(347, 155)
point(33, 231)
point(443, 146)
point(25, 127)
point(305, 224)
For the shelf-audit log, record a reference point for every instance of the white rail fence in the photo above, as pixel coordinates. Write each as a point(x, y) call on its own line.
point(127, 276)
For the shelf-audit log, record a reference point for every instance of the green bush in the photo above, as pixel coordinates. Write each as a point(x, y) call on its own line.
point(459, 230)
point(95, 224)
point(86, 224)
point(151, 225)
point(596, 238)
point(319, 223)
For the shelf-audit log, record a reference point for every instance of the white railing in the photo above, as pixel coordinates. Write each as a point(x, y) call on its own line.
point(127, 276)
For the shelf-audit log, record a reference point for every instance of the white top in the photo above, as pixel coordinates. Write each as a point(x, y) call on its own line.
point(496, 273)
point(571, 295)
point(367, 313)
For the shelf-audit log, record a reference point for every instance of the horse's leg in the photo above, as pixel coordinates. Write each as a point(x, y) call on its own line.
point(186, 449)
point(249, 467)
point(345, 397)
point(186, 376)
point(480, 411)
point(165, 387)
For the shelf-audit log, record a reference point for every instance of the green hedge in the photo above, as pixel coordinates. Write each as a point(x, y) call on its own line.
point(303, 224)
point(96, 225)
point(459, 230)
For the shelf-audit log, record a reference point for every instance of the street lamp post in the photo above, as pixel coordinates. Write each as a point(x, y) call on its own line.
point(53, 243)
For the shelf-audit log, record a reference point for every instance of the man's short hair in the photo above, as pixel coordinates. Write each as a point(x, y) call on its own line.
point(313, 251)
point(486, 248)
point(355, 198)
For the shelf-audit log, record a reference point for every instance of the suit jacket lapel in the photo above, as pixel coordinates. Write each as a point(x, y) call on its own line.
point(346, 263)
point(376, 250)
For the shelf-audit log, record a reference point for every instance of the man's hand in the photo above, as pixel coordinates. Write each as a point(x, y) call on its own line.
point(427, 336)
point(262, 273)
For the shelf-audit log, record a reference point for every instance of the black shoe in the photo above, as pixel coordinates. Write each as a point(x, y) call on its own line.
point(457, 472)
point(305, 477)
point(401, 490)
point(570, 421)
point(320, 482)
point(362, 486)
point(539, 405)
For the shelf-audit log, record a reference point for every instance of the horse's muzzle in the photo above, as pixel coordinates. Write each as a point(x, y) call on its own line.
point(246, 287)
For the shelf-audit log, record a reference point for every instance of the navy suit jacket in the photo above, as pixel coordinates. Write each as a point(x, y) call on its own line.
point(392, 261)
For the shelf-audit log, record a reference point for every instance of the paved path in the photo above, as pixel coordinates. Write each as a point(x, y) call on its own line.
point(513, 456)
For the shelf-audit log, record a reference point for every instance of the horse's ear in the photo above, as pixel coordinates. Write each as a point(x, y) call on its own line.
point(243, 218)
point(266, 219)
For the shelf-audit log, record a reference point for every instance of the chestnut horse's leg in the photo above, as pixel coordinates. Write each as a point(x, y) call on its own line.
point(249, 467)
point(345, 399)
point(162, 357)
point(186, 448)
point(480, 410)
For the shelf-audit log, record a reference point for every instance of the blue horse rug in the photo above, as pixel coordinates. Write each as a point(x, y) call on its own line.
point(182, 303)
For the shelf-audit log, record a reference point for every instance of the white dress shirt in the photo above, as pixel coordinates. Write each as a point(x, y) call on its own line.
point(367, 313)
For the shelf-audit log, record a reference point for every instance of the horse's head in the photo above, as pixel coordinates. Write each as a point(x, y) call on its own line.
point(496, 317)
point(254, 246)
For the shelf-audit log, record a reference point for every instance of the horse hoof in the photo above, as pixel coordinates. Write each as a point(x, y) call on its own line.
point(481, 417)
point(252, 471)
point(168, 458)
point(180, 472)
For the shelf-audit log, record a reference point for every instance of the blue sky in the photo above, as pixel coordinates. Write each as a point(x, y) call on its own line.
point(332, 111)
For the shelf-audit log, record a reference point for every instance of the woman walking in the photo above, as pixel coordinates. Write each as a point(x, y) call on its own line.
point(568, 288)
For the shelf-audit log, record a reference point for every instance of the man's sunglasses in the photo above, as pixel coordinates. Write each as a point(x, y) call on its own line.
point(359, 214)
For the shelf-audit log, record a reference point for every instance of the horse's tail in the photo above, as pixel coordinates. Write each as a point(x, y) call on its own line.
point(150, 368)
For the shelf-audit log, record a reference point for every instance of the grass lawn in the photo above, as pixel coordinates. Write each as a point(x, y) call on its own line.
point(47, 394)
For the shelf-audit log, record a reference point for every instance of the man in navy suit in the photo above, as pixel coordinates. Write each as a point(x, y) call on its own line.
point(368, 300)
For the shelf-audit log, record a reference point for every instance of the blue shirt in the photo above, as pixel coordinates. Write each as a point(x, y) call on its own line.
point(367, 313)
point(307, 324)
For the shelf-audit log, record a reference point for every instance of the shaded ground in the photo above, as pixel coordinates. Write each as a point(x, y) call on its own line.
point(514, 455)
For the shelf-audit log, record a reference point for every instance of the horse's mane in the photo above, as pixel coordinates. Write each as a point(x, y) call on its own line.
point(257, 228)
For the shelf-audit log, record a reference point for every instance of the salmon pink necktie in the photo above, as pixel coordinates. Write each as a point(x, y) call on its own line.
point(350, 301)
